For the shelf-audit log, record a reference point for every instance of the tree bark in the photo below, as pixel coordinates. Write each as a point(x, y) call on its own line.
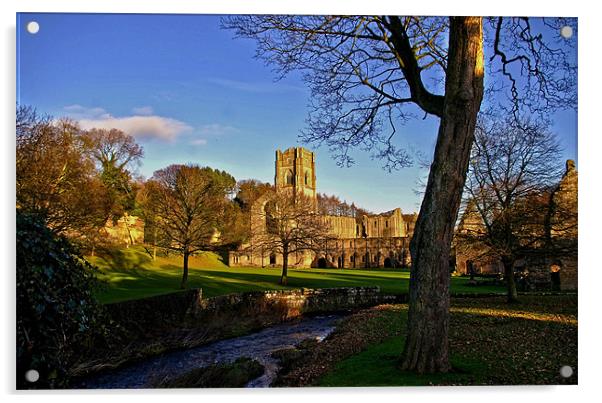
point(185, 273)
point(511, 295)
point(283, 278)
point(155, 243)
point(426, 349)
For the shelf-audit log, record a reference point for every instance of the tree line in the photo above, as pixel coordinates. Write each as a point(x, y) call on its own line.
point(76, 180)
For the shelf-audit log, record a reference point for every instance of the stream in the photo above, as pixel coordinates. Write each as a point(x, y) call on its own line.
point(258, 346)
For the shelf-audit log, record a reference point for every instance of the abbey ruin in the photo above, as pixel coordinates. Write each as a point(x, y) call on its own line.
point(551, 262)
point(372, 240)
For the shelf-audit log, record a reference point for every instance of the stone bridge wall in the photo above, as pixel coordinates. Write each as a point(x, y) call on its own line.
point(251, 309)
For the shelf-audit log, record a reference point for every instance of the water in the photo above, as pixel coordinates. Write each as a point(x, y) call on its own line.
point(258, 346)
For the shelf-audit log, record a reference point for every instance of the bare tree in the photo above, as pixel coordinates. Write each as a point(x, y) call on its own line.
point(189, 206)
point(512, 168)
point(365, 71)
point(292, 224)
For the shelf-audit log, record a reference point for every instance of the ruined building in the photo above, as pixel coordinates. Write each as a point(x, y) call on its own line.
point(374, 240)
point(552, 263)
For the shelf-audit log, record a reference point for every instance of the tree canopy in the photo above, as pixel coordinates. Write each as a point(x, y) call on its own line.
point(190, 205)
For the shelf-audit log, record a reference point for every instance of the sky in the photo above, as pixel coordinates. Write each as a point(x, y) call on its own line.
point(189, 92)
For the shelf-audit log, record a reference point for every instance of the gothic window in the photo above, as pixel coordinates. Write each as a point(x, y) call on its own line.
point(307, 179)
point(289, 178)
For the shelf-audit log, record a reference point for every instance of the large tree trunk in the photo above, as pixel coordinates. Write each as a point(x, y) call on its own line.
point(283, 278)
point(426, 348)
point(185, 273)
point(511, 295)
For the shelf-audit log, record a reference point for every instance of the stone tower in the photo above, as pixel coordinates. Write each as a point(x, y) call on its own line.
point(296, 171)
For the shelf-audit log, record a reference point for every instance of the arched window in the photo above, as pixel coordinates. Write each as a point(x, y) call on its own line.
point(289, 178)
point(307, 178)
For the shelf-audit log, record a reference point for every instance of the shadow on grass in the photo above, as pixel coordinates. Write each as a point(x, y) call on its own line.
point(378, 365)
point(491, 343)
point(131, 273)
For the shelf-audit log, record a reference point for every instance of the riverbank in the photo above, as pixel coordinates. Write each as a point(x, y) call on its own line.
point(152, 326)
point(491, 343)
point(200, 365)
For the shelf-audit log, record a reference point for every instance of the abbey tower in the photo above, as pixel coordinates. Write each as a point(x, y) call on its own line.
point(296, 170)
point(366, 240)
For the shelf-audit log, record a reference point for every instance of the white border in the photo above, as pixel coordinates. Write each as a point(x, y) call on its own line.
point(589, 144)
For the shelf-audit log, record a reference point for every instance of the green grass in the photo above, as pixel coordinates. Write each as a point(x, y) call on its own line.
point(131, 274)
point(379, 366)
point(491, 343)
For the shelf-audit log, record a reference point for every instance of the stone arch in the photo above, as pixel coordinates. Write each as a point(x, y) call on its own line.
point(289, 178)
point(388, 263)
point(555, 269)
point(307, 178)
point(272, 259)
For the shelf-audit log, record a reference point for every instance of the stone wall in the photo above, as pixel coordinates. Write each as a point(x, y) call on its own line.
point(257, 308)
point(126, 231)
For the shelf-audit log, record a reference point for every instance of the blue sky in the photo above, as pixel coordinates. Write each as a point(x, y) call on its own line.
point(191, 93)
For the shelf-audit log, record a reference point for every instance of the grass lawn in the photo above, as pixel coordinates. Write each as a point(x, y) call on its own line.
point(131, 274)
point(491, 343)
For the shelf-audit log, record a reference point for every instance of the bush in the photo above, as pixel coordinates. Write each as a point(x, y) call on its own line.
point(57, 315)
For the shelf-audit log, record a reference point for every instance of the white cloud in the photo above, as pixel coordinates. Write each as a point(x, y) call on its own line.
point(81, 112)
point(198, 142)
point(143, 110)
point(137, 126)
point(140, 126)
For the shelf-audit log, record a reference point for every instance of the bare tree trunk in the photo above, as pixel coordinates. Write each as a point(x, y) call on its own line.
point(511, 295)
point(283, 278)
point(127, 227)
point(155, 243)
point(426, 348)
point(185, 273)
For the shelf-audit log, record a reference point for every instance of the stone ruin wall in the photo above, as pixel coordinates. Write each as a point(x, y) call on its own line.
point(127, 230)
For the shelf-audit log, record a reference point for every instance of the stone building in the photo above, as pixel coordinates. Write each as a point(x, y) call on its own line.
point(375, 240)
point(553, 263)
point(127, 230)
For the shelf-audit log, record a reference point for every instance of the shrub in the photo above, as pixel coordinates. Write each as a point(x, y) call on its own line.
point(57, 315)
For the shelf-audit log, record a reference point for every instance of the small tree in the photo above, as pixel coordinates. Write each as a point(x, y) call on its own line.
point(292, 224)
point(511, 170)
point(115, 154)
point(190, 207)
